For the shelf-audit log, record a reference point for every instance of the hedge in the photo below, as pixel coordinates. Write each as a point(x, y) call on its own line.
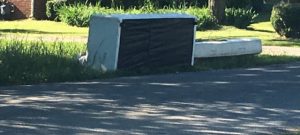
point(285, 20)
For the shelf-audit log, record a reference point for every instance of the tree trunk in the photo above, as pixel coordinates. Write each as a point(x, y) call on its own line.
point(218, 9)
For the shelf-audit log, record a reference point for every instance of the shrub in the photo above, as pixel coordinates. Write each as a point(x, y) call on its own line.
point(128, 4)
point(285, 20)
point(256, 5)
point(79, 14)
point(52, 7)
point(240, 18)
point(238, 3)
point(205, 19)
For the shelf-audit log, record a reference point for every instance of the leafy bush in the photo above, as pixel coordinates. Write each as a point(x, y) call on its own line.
point(238, 3)
point(24, 62)
point(240, 18)
point(52, 8)
point(205, 19)
point(256, 5)
point(285, 20)
point(79, 14)
point(128, 4)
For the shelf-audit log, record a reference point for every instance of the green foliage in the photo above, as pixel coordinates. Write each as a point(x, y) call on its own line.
point(240, 18)
point(238, 3)
point(79, 14)
point(24, 62)
point(242, 61)
point(128, 4)
point(52, 7)
point(262, 30)
point(256, 5)
point(148, 7)
point(205, 19)
point(285, 20)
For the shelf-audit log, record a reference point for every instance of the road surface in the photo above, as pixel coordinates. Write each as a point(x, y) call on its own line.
point(263, 100)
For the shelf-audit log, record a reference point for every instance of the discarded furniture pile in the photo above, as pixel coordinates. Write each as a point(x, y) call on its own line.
point(154, 40)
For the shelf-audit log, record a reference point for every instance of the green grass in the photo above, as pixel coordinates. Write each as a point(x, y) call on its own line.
point(51, 30)
point(294, 133)
point(28, 62)
point(24, 62)
point(242, 61)
point(262, 30)
point(38, 28)
point(205, 64)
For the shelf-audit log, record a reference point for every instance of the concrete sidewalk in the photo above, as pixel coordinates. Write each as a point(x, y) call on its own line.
point(262, 100)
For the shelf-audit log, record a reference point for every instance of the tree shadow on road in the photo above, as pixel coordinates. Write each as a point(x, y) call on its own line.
point(246, 101)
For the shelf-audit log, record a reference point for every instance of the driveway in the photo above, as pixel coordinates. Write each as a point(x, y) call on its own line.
point(263, 100)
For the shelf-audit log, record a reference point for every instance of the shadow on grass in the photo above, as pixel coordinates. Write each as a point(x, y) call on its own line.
point(204, 64)
point(263, 17)
point(29, 31)
point(283, 42)
point(247, 101)
point(17, 67)
point(216, 27)
point(258, 30)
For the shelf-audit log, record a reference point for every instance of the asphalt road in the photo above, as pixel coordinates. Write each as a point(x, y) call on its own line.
point(262, 100)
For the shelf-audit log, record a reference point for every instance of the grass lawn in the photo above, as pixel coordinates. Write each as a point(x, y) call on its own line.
point(36, 28)
point(262, 30)
point(294, 133)
point(27, 62)
point(49, 29)
point(24, 62)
